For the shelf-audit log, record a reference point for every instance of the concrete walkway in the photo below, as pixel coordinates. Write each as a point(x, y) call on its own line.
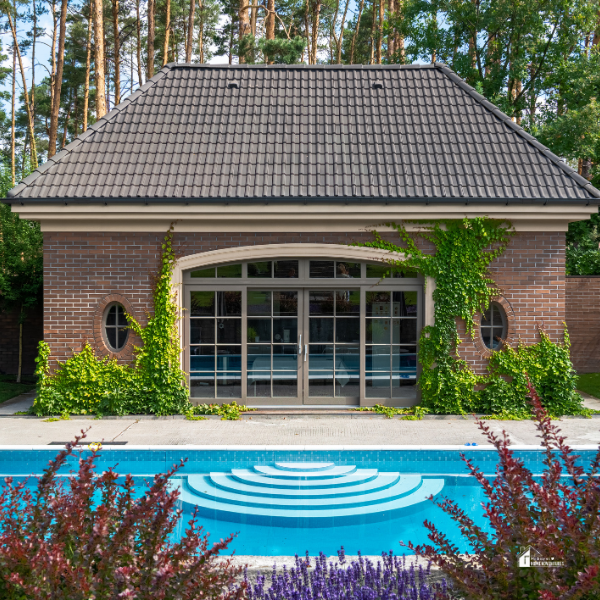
point(301, 431)
point(318, 429)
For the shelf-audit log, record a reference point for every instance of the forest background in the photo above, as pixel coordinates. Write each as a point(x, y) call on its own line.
point(65, 63)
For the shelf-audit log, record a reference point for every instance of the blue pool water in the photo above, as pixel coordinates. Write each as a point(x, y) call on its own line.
point(288, 502)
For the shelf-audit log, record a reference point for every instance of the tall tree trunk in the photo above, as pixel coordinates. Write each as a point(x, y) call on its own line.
point(20, 367)
point(380, 30)
point(253, 13)
point(167, 31)
point(315, 30)
point(33, 44)
point(201, 33)
point(391, 41)
point(12, 25)
point(244, 27)
point(117, 46)
point(356, 30)
point(58, 81)
point(67, 119)
point(12, 124)
point(99, 59)
point(138, 29)
point(340, 39)
point(190, 32)
point(88, 60)
point(372, 61)
point(270, 20)
point(151, 34)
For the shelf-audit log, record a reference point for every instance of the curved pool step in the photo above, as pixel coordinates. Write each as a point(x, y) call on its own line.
point(204, 487)
point(253, 478)
point(303, 517)
point(287, 466)
point(361, 486)
point(304, 474)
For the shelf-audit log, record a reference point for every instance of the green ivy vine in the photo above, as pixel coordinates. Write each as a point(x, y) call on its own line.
point(464, 250)
point(155, 383)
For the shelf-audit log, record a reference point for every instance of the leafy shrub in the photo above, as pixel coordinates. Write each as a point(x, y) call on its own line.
point(556, 514)
point(155, 384)
point(93, 538)
point(228, 412)
point(360, 580)
point(546, 365)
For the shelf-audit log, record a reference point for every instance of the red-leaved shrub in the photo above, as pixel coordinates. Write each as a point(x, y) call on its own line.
point(555, 514)
point(89, 537)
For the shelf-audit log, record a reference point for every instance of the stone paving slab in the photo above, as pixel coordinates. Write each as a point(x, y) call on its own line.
point(306, 431)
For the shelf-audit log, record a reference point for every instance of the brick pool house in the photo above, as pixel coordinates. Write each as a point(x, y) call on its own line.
point(270, 172)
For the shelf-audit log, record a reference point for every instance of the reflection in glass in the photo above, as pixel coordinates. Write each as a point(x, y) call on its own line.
point(210, 272)
point(377, 358)
point(202, 386)
point(229, 271)
point(229, 331)
point(286, 269)
point(285, 384)
point(259, 303)
point(378, 304)
point(229, 358)
point(377, 385)
point(379, 271)
point(321, 302)
point(404, 331)
point(322, 269)
point(259, 330)
point(285, 331)
point(347, 358)
point(404, 304)
point(202, 304)
point(259, 384)
point(321, 330)
point(378, 331)
point(202, 358)
point(202, 331)
point(259, 357)
point(229, 385)
point(260, 269)
point(284, 357)
point(347, 383)
point(405, 358)
point(320, 357)
point(346, 270)
point(320, 383)
point(285, 303)
point(229, 304)
point(347, 331)
point(347, 302)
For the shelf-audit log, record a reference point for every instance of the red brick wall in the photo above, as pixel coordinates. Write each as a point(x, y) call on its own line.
point(531, 275)
point(33, 331)
point(81, 269)
point(583, 320)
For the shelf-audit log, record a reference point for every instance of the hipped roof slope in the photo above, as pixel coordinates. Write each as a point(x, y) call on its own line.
point(315, 132)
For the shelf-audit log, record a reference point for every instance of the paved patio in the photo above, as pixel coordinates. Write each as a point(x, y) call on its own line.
point(318, 429)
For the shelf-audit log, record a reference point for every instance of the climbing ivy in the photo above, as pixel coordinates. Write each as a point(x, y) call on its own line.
point(464, 250)
point(87, 384)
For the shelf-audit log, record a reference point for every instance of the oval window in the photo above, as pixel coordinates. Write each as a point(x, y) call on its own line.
point(493, 326)
point(116, 329)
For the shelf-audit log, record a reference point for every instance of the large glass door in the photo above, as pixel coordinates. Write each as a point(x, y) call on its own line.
point(313, 334)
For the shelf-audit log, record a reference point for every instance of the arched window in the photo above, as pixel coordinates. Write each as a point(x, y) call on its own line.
point(115, 327)
point(493, 326)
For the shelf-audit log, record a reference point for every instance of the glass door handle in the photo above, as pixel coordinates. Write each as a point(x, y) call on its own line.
point(300, 345)
point(305, 351)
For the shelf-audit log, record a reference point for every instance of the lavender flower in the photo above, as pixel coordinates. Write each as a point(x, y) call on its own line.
point(389, 579)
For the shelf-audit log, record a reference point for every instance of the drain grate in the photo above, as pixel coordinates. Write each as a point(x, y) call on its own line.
point(86, 443)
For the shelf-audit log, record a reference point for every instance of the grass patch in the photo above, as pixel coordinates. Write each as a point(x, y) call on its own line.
point(9, 389)
point(589, 383)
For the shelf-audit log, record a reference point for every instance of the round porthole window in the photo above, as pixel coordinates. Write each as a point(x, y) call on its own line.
point(493, 326)
point(115, 327)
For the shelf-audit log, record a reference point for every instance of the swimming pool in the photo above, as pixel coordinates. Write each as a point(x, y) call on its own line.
point(283, 501)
